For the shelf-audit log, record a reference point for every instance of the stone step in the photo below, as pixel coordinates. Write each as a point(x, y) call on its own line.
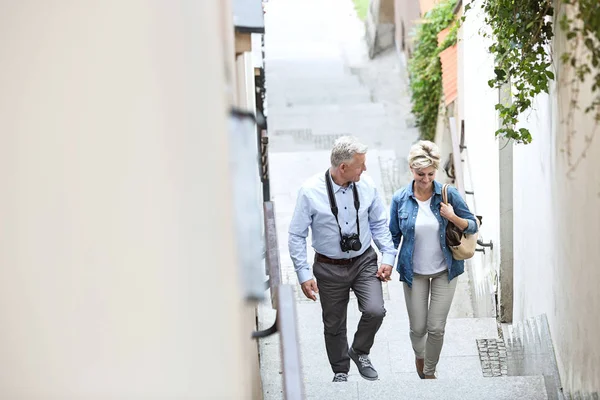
point(358, 94)
point(365, 109)
point(333, 66)
point(307, 99)
point(531, 352)
point(347, 126)
point(392, 352)
point(466, 388)
point(315, 86)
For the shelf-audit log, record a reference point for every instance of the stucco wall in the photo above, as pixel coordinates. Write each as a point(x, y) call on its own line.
point(407, 12)
point(556, 208)
point(113, 127)
point(557, 231)
point(379, 26)
point(476, 107)
point(534, 219)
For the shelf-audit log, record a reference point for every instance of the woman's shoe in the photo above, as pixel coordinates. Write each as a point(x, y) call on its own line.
point(429, 377)
point(420, 364)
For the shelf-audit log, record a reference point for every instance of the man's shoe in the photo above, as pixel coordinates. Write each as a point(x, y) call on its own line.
point(340, 377)
point(365, 368)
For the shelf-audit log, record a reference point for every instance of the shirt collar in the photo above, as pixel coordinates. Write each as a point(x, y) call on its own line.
point(336, 187)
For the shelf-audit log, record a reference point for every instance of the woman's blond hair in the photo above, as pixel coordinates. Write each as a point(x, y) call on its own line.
point(424, 154)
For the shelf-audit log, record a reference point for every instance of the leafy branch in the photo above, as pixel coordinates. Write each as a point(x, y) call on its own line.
point(522, 32)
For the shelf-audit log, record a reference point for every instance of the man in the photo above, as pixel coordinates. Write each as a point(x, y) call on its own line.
point(344, 256)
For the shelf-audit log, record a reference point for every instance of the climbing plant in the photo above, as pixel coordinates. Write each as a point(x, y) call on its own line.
point(522, 32)
point(425, 69)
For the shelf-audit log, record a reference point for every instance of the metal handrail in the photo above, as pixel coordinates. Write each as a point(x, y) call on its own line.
point(458, 145)
point(456, 156)
point(285, 324)
point(283, 300)
point(272, 263)
point(293, 384)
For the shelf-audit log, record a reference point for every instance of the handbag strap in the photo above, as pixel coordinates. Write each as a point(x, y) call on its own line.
point(445, 193)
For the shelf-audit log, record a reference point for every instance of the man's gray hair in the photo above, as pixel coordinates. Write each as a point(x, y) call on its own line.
point(344, 149)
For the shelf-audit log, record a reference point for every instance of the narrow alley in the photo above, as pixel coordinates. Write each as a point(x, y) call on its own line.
point(322, 85)
point(152, 156)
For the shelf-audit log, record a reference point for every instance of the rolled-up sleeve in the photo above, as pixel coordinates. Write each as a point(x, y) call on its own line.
point(297, 234)
point(379, 230)
point(462, 210)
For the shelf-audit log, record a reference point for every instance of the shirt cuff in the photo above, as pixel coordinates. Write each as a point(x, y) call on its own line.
point(471, 228)
point(304, 274)
point(388, 258)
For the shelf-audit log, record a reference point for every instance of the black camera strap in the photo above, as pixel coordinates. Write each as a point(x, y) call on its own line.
point(333, 203)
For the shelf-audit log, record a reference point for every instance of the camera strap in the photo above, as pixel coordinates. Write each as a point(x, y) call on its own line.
point(333, 203)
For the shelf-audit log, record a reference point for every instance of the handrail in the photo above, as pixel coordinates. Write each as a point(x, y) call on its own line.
point(285, 324)
point(272, 264)
point(458, 145)
point(293, 384)
point(283, 300)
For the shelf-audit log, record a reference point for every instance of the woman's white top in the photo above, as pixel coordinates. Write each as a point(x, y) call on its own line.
point(428, 258)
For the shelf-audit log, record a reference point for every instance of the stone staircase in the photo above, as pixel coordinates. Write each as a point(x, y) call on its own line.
point(321, 85)
point(460, 373)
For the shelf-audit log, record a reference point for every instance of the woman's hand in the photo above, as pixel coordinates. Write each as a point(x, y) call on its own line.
point(447, 211)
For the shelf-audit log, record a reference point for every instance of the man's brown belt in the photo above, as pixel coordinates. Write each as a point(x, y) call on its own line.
point(334, 261)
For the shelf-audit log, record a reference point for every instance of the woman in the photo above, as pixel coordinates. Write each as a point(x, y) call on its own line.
point(425, 262)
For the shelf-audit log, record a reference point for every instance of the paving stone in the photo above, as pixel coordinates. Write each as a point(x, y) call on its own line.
point(452, 388)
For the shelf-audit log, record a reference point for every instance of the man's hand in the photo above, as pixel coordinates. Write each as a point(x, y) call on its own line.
point(385, 272)
point(310, 288)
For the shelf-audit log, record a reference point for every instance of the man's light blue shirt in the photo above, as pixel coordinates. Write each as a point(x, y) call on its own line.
point(313, 210)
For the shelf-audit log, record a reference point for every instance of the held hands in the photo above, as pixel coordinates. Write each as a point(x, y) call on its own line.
point(384, 272)
point(447, 211)
point(309, 288)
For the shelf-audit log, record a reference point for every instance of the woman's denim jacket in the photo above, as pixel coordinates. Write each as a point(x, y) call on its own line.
point(403, 215)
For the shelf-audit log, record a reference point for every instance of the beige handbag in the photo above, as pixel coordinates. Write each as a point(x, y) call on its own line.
point(462, 245)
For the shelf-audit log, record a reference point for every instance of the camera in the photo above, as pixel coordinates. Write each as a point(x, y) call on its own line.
point(350, 242)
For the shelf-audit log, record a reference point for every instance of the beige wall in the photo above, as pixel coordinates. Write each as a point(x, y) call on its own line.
point(407, 13)
point(246, 101)
point(557, 226)
point(113, 129)
point(386, 11)
point(427, 5)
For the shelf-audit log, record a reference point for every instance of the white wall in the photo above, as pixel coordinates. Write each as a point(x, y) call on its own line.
point(556, 207)
point(534, 218)
point(476, 107)
point(557, 226)
point(117, 266)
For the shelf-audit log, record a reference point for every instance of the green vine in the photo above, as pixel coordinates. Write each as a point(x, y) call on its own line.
point(425, 68)
point(522, 32)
